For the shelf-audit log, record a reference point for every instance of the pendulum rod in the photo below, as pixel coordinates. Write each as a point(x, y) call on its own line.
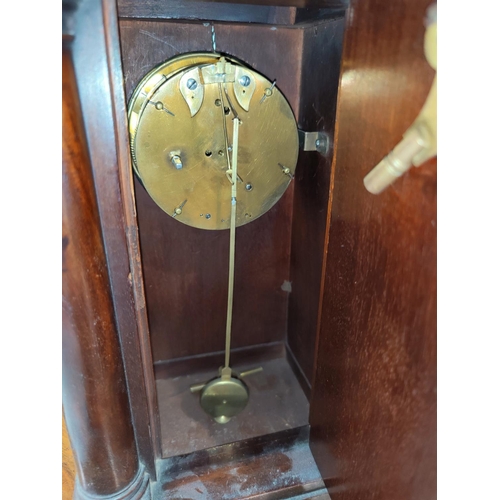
point(233, 170)
point(232, 240)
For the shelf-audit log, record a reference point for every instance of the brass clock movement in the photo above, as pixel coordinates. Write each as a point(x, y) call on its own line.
point(215, 144)
point(182, 139)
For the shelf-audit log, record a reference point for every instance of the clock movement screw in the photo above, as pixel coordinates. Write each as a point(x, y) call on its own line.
point(191, 84)
point(178, 210)
point(321, 145)
point(244, 81)
point(176, 160)
point(248, 187)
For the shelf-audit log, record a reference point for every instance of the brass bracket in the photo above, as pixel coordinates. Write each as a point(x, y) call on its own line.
point(314, 141)
point(192, 90)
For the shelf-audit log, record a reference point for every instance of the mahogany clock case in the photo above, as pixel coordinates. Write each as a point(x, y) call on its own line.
point(373, 423)
point(279, 257)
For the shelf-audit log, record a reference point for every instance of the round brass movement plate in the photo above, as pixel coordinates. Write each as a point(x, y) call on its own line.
point(181, 125)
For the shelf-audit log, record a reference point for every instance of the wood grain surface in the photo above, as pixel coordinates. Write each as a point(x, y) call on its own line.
point(95, 399)
point(201, 10)
point(158, 9)
point(320, 76)
point(68, 465)
point(272, 467)
point(97, 60)
point(373, 407)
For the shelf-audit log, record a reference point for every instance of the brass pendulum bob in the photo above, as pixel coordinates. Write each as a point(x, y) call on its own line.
point(225, 396)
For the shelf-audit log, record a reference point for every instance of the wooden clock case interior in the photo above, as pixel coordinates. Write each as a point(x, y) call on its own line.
point(279, 256)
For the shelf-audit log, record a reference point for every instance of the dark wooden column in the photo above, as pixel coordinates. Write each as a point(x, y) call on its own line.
point(95, 399)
